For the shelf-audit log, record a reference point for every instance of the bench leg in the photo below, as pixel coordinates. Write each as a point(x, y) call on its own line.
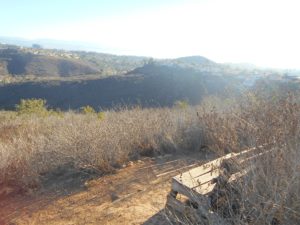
point(173, 193)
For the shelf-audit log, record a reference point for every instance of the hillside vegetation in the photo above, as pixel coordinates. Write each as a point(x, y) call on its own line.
point(70, 79)
point(14, 61)
point(21, 61)
point(39, 62)
point(148, 86)
point(35, 143)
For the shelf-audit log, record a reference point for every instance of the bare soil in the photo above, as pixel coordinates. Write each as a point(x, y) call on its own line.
point(135, 194)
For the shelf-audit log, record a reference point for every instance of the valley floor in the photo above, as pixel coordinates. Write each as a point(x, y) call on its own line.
point(135, 194)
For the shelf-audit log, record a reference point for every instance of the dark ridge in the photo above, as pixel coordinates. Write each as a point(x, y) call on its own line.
point(163, 87)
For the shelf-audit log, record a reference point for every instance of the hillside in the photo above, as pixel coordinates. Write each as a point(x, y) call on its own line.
point(21, 61)
point(17, 62)
point(72, 79)
point(150, 85)
point(136, 81)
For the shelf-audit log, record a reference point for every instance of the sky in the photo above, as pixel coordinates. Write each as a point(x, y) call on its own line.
point(262, 32)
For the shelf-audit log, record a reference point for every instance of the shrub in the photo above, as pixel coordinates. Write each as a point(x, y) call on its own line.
point(31, 146)
point(181, 104)
point(32, 106)
point(101, 115)
point(87, 110)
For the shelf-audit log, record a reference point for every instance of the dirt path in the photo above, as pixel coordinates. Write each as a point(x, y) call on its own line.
point(135, 194)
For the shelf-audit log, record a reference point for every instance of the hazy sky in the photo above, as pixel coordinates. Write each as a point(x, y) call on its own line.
point(263, 32)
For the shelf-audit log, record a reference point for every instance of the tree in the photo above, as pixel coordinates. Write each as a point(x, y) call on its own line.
point(36, 46)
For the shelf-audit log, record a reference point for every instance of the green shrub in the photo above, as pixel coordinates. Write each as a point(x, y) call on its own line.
point(181, 104)
point(87, 110)
point(32, 106)
point(101, 115)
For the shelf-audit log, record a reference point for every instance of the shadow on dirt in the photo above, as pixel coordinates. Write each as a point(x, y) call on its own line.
point(159, 218)
point(63, 181)
point(67, 179)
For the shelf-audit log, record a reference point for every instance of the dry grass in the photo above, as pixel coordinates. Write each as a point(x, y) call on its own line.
point(31, 145)
point(270, 192)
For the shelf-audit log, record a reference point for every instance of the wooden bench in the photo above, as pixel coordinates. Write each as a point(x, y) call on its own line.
point(196, 185)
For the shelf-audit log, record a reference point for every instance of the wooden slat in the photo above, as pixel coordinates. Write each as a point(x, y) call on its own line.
point(200, 179)
point(212, 165)
point(206, 168)
point(189, 181)
point(193, 195)
point(206, 188)
point(176, 170)
point(197, 183)
point(255, 156)
point(237, 175)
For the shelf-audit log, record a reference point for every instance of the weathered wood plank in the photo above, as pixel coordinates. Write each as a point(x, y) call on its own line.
point(206, 188)
point(193, 195)
point(201, 173)
point(205, 168)
point(237, 175)
point(197, 183)
point(188, 180)
point(176, 170)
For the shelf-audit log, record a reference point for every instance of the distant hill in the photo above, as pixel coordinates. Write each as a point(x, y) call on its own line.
point(40, 62)
point(72, 79)
point(194, 60)
point(17, 62)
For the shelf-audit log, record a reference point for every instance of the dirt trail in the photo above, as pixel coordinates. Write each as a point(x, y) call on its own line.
point(135, 194)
